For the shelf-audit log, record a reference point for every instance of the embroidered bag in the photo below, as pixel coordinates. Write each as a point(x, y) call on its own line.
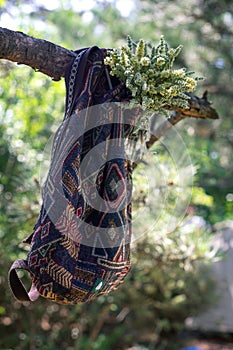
point(80, 246)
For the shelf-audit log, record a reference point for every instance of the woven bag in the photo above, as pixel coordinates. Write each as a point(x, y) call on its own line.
point(80, 245)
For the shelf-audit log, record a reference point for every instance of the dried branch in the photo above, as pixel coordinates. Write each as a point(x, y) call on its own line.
point(52, 60)
point(39, 54)
point(199, 108)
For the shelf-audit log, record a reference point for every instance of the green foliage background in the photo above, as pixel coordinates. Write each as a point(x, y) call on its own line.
point(169, 279)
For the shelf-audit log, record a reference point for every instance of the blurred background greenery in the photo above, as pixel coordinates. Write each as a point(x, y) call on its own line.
point(169, 280)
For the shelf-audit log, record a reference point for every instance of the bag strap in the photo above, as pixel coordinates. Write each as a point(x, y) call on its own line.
point(75, 82)
point(17, 286)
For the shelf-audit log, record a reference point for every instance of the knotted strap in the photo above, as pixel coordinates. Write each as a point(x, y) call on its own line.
point(17, 286)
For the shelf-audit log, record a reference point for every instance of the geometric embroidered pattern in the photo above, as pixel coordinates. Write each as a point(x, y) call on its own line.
point(67, 224)
point(69, 183)
point(84, 275)
point(63, 267)
point(43, 250)
point(59, 274)
point(45, 230)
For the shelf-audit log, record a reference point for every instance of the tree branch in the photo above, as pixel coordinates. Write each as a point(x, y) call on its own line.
point(52, 60)
point(41, 55)
point(199, 108)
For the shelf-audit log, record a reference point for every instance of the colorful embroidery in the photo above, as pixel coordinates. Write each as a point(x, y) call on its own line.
point(80, 251)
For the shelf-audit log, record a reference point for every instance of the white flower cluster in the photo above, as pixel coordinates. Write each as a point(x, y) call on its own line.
point(147, 72)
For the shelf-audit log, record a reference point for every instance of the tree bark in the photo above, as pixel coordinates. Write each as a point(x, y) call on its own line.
point(41, 55)
point(52, 60)
point(198, 108)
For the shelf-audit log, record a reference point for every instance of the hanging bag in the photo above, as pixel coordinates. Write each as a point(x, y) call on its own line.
point(80, 246)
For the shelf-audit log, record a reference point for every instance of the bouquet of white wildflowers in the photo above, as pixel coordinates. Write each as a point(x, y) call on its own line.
point(148, 73)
